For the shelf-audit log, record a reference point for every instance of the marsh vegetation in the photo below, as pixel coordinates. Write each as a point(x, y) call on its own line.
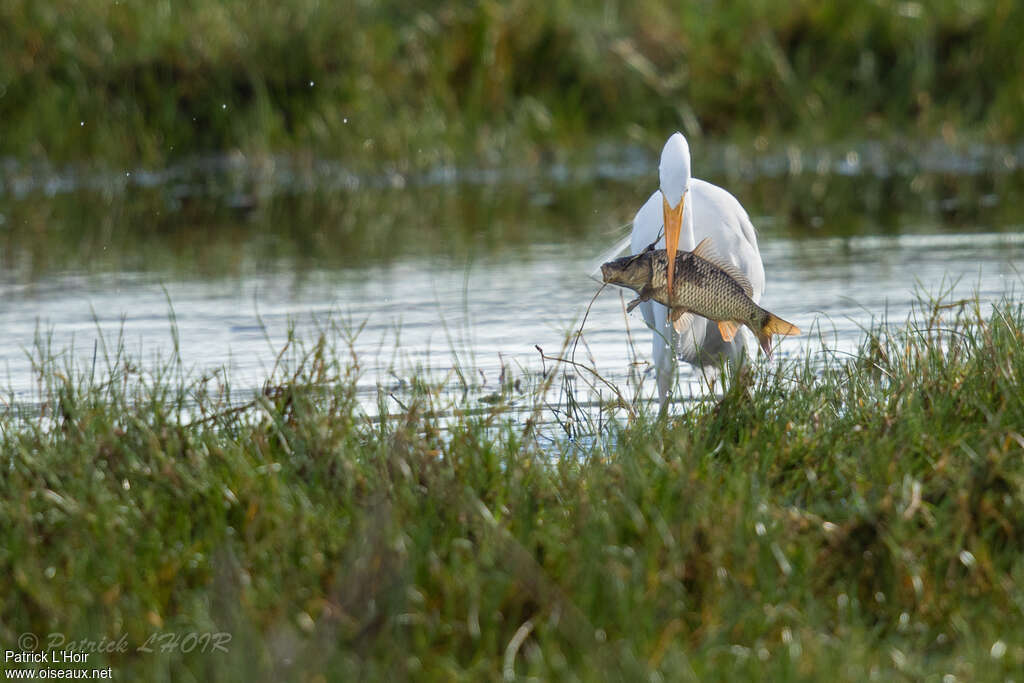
point(860, 517)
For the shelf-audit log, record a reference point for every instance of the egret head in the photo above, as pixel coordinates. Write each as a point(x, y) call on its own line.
point(674, 174)
point(674, 169)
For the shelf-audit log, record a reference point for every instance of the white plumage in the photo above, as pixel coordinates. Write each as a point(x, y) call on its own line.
point(708, 211)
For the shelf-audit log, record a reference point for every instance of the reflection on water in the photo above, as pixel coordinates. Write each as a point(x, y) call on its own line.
point(420, 314)
point(233, 215)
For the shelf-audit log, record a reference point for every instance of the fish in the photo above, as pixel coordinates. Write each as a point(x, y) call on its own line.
point(704, 285)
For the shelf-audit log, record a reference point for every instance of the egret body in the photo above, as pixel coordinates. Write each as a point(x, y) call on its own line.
point(681, 213)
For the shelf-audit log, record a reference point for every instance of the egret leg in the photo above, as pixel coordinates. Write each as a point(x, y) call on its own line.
point(664, 355)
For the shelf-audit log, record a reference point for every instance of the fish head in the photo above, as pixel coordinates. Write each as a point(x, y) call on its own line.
point(634, 272)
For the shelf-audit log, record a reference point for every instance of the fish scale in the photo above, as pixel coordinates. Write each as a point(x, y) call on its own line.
point(703, 288)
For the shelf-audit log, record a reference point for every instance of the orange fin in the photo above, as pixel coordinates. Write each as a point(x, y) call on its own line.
point(706, 251)
point(775, 325)
point(727, 329)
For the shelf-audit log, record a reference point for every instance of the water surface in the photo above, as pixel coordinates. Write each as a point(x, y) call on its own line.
point(466, 269)
point(424, 315)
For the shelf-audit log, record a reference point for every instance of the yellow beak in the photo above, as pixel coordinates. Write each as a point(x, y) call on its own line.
point(673, 222)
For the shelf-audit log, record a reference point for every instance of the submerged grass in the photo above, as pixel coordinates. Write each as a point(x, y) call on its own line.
point(858, 517)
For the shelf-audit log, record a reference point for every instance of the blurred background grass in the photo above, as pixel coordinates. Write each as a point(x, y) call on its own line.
point(146, 82)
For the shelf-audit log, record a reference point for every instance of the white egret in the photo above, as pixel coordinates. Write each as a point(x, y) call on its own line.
point(681, 213)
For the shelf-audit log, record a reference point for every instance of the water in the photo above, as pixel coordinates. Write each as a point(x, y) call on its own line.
point(422, 314)
point(442, 300)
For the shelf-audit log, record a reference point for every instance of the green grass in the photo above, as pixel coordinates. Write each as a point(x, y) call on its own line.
point(133, 82)
point(860, 518)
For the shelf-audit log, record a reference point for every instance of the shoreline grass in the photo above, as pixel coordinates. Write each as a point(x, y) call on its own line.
point(851, 520)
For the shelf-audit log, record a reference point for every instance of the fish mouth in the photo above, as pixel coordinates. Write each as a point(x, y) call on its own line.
point(606, 272)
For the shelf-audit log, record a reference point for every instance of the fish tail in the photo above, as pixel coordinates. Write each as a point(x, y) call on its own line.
point(774, 325)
